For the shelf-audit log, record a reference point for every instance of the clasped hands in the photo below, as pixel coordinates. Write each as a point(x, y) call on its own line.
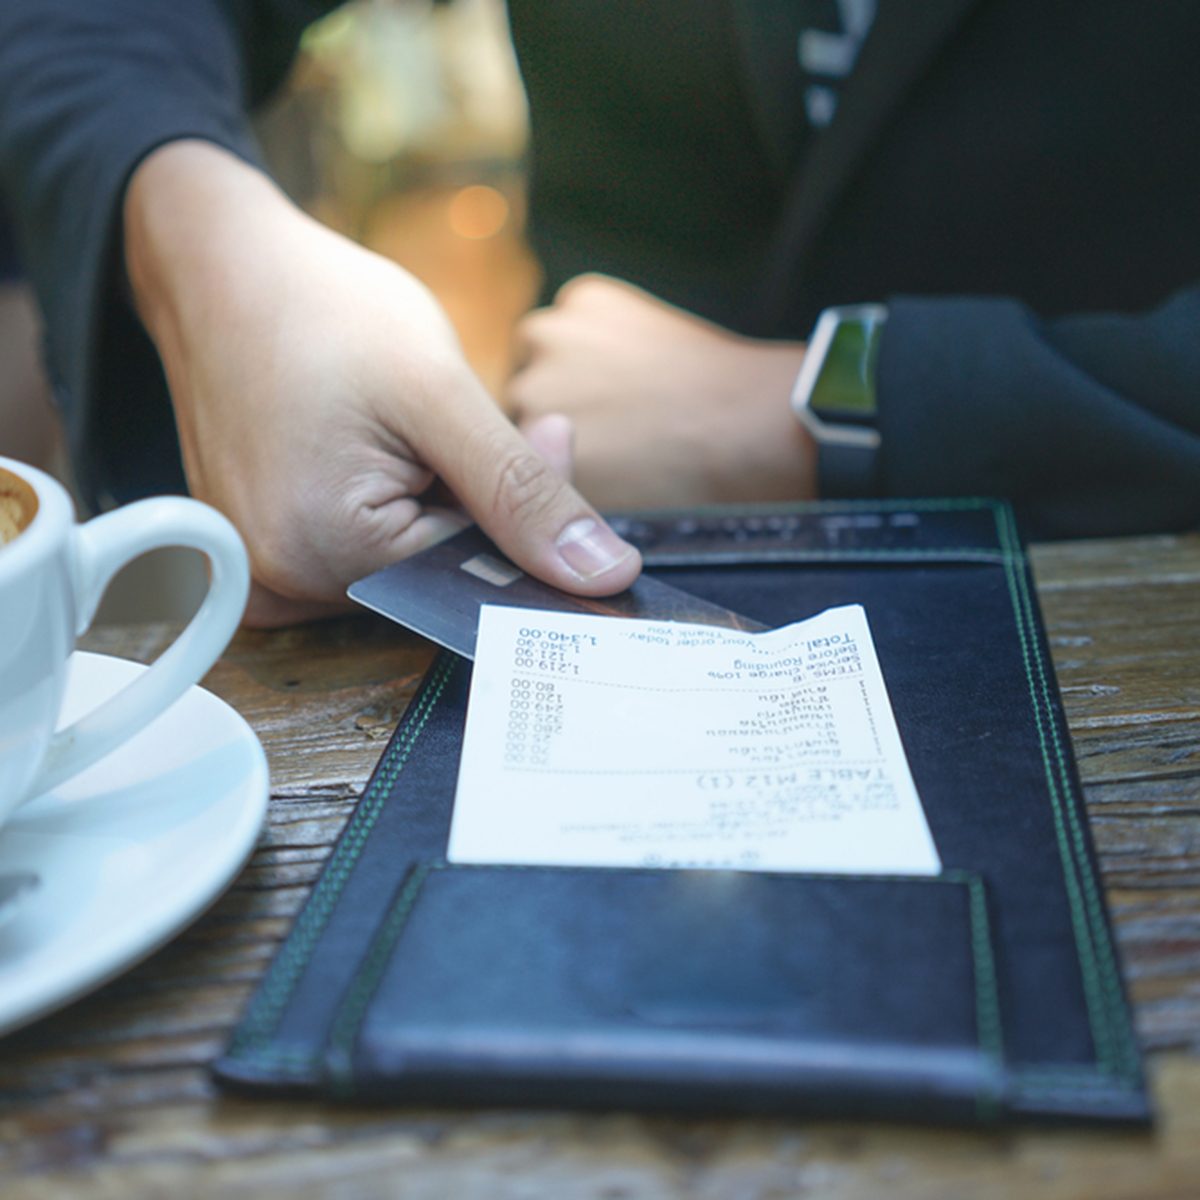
point(320, 392)
point(667, 409)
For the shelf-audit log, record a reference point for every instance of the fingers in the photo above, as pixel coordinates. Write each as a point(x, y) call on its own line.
point(524, 505)
point(534, 333)
point(553, 372)
point(552, 436)
point(579, 301)
point(267, 609)
point(435, 524)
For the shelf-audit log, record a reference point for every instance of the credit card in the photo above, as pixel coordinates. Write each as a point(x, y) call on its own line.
point(439, 592)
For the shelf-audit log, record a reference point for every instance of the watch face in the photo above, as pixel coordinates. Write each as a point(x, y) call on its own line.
point(844, 391)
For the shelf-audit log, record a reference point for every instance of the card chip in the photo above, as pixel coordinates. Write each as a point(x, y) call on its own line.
point(491, 570)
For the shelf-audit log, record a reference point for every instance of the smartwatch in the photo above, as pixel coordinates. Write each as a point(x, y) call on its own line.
point(834, 398)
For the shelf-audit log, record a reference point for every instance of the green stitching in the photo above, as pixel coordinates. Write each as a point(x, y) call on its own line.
point(267, 1009)
point(987, 991)
point(1118, 1052)
point(1106, 1009)
point(1102, 943)
point(1082, 940)
point(353, 1009)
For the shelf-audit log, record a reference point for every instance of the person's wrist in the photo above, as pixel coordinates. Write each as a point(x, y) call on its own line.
point(778, 453)
point(187, 206)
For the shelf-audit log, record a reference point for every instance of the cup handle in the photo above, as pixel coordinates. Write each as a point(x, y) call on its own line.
point(99, 549)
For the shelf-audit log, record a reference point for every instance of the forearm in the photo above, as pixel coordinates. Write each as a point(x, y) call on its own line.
point(87, 91)
point(199, 233)
point(192, 213)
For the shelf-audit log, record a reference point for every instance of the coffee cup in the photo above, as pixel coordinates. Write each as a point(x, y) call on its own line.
point(53, 573)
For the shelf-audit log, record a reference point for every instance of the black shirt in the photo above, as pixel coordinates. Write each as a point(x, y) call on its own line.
point(660, 170)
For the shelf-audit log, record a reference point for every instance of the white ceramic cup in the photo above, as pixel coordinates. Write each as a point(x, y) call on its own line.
point(53, 573)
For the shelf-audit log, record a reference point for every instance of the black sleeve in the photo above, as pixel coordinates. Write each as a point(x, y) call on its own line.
point(1090, 424)
point(88, 89)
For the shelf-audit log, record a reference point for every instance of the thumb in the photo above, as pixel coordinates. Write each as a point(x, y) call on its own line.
point(542, 523)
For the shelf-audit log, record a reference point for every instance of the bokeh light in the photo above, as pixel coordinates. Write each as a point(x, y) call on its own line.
point(477, 212)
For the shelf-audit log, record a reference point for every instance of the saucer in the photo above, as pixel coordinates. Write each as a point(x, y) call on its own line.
point(131, 850)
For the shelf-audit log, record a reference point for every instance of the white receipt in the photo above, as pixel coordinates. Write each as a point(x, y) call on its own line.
point(610, 742)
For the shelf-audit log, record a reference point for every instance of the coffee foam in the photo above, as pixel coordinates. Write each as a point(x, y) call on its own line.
point(18, 506)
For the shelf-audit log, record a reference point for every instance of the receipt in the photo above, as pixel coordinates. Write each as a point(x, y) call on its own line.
point(608, 742)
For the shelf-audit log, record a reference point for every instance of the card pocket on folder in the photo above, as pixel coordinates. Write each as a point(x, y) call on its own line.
point(711, 989)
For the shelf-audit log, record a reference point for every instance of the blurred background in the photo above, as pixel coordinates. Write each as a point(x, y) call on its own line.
point(404, 126)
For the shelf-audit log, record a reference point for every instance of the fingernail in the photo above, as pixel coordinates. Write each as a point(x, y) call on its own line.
point(590, 548)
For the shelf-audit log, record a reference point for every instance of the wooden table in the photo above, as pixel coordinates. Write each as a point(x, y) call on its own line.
point(111, 1097)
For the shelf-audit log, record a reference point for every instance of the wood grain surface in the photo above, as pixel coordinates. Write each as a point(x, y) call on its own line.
point(111, 1097)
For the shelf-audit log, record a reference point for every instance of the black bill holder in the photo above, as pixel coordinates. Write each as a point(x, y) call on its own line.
point(986, 993)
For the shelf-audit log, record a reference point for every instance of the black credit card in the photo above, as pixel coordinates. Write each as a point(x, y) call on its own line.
point(438, 593)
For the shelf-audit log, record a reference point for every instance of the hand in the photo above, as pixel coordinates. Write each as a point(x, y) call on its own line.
point(318, 391)
point(668, 409)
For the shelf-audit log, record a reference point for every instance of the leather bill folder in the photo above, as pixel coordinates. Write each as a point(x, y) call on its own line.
point(988, 992)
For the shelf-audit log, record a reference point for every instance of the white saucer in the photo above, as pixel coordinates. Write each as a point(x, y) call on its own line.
point(131, 850)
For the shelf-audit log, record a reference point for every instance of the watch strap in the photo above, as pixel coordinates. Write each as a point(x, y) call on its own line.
point(844, 429)
point(846, 471)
